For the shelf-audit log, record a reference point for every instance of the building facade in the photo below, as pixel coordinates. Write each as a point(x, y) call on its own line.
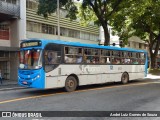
point(38, 27)
point(137, 43)
point(133, 42)
point(19, 20)
point(9, 37)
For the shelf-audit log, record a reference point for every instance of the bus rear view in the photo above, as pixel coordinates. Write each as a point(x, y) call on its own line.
point(30, 72)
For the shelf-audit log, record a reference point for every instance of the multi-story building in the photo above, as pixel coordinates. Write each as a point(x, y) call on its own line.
point(38, 27)
point(9, 36)
point(137, 43)
point(19, 20)
point(133, 42)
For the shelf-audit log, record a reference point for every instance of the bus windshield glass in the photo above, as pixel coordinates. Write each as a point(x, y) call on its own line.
point(30, 59)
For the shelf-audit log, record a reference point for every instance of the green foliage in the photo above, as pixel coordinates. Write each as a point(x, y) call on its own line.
point(47, 7)
point(139, 18)
point(97, 11)
point(87, 16)
point(127, 17)
point(154, 71)
point(72, 11)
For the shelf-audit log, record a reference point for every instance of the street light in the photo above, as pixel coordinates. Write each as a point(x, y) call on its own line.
point(58, 19)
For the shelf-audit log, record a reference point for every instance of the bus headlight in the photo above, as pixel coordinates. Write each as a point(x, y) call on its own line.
point(38, 76)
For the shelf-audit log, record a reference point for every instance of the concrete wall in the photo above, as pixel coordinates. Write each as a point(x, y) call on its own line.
point(22, 21)
point(17, 32)
point(5, 43)
point(14, 33)
point(13, 66)
point(18, 26)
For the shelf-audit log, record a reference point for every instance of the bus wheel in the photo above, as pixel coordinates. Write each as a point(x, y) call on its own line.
point(70, 84)
point(125, 78)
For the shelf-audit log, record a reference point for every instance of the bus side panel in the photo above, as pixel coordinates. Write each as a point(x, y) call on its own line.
point(92, 74)
point(114, 73)
point(86, 75)
point(89, 74)
point(136, 71)
point(55, 82)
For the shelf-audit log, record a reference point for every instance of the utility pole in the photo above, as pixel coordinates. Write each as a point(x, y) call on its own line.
point(58, 19)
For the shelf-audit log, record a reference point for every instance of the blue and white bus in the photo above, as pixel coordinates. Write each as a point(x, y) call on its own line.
point(56, 64)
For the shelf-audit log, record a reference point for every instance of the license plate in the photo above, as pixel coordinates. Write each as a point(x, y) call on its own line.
point(24, 82)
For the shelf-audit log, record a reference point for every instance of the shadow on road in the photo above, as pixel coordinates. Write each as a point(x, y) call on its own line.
point(86, 87)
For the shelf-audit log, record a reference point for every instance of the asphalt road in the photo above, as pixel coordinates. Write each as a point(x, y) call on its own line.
point(140, 95)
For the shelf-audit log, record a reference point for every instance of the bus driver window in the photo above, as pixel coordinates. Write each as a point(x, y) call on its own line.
point(51, 57)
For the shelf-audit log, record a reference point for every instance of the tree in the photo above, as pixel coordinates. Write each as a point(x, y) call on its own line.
point(140, 18)
point(47, 7)
point(102, 9)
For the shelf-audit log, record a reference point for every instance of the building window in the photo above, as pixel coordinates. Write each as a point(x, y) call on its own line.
point(2, 54)
point(134, 44)
point(140, 45)
point(48, 29)
point(10, 1)
point(73, 33)
point(93, 37)
point(4, 32)
point(32, 4)
point(85, 36)
point(63, 31)
point(33, 26)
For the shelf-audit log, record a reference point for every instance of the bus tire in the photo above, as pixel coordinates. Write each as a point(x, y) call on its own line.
point(125, 78)
point(70, 84)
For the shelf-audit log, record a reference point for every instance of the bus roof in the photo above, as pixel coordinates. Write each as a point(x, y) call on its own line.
point(78, 44)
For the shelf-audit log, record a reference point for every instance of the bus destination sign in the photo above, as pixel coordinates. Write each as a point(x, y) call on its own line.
point(30, 44)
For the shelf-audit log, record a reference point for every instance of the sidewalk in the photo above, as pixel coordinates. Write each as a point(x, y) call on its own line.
point(9, 84)
point(150, 76)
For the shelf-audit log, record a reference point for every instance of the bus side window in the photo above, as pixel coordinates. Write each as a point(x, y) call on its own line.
point(91, 56)
point(73, 55)
point(142, 58)
point(45, 57)
point(105, 57)
point(116, 57)
point(52, 55)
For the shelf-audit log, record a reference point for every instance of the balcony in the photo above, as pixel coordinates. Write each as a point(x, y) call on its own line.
point(8, 11)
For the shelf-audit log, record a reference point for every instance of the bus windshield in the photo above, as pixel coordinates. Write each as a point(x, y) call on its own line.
point(30, 59)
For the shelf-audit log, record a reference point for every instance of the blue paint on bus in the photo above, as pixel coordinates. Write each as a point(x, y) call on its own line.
point(76, 44)
point(32, 78)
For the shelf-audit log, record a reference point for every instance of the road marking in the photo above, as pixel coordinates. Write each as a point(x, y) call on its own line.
point(46, 95)
point(31, 97)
